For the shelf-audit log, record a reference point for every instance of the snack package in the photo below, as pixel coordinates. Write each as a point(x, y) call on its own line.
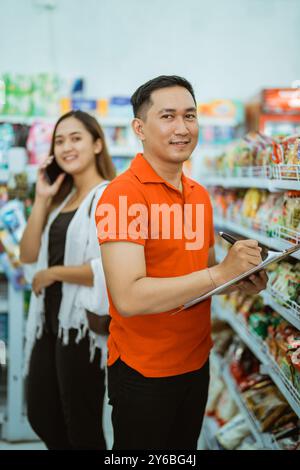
point(295, 360)
point(226, 407)
point(255, 380)
point(291, 151)
point(13, 219)
point(243, 362)
point(288, 436)
point(10, 246)
point(216, 388)
point(38, 142)
point(258, 324)
point(18, 94)
point(13, 273)
point(233, 432)
point(267, 404)
point(276, 214)
point(264, 212)
point(291, 210)
point(222, 336)
point(251, 203)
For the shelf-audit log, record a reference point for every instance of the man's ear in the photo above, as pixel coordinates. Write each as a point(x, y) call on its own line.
point(138, 128)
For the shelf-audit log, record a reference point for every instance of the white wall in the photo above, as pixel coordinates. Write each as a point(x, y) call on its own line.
point(227, 48)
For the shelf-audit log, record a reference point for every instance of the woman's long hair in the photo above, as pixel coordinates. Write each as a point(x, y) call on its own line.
point(104, 162)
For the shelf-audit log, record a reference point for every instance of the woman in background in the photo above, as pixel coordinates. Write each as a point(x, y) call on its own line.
point(67, 324)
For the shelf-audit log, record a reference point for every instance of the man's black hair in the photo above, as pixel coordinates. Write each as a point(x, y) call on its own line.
point(141, 98)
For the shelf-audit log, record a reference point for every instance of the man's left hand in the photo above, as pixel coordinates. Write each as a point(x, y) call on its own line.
point(254, 284)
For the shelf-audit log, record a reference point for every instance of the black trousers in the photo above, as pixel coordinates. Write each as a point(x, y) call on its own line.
point(156, 413)
point(65, 393)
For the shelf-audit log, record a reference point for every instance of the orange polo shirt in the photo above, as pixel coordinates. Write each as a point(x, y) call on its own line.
point(161, 344)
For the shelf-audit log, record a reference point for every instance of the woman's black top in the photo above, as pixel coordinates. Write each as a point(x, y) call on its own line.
point(56, 253)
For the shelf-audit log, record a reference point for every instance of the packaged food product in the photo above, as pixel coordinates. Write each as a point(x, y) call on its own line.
point(13, 219)
point(258, 324)
point(295, 359)
point(294, 341)
point(233, 432)
point(291, 210)
point(255, 380)
point(226, 407)
point(216, 387)
point(251, 203)
point(10, 247)
point(222, 341)
point(267, 404)
point(243, 362)
point(292, 150)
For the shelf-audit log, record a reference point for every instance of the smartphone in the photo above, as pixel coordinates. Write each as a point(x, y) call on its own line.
point(52, 171)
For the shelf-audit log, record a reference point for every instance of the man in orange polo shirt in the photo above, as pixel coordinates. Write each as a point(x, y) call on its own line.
point(155, 227)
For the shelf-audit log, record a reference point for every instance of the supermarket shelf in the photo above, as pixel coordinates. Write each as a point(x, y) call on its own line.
point(3, 306)
point(113, 120)
point(27, 120)
point(106, 121)
point(273, 178)
point(274, 243)
point(285, 185)
point(259, 349)
point(31, 170)
point(287, 308)
point(3, 175)
point(261, 183)
point(264, 440)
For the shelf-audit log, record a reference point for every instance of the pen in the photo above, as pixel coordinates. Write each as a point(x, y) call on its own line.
point(232, 240)
point(228, 238)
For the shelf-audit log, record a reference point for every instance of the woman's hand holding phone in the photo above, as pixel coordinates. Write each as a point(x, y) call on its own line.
point(44, 189)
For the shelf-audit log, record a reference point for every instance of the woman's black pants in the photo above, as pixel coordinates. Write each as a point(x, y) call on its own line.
point(65, 393)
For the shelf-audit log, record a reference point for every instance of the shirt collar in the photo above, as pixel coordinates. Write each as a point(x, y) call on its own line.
point(146, 174)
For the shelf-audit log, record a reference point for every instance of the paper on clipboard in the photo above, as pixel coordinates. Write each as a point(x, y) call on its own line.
point(273, 257)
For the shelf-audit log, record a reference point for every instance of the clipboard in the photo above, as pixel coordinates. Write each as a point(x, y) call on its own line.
point(273, 257)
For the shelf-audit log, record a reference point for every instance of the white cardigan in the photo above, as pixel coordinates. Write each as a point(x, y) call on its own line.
point(81, 247)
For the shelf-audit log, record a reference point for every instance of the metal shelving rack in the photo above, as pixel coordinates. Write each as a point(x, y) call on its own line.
point(15, 426)
point(126, 151)
point(275, 242)
point(263, 439)
point(259, 349)
point(287, 308)
point(274, 178)
point(209, 430)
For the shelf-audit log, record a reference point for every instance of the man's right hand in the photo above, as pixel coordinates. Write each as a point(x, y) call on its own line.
point(242, 256)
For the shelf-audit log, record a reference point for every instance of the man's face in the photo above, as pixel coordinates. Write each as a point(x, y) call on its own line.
point(170, 125)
